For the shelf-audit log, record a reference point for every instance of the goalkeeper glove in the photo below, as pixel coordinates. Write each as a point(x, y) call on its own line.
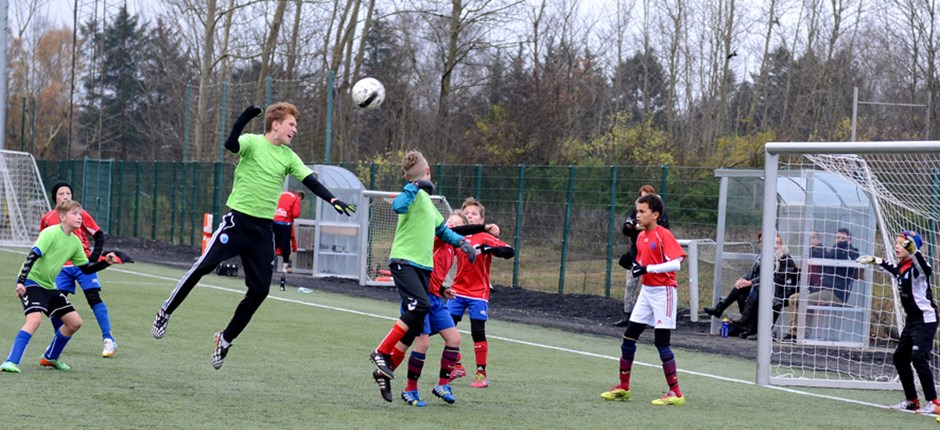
point(908, 245)
point(638, 270)
point(869, 259)
point(343, 208)
point(121, 256)
point(251, 112)
point(426, 185)
point(468, 249)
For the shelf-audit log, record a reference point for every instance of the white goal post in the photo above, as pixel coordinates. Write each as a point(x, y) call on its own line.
point(881, 189)
point(23, 198)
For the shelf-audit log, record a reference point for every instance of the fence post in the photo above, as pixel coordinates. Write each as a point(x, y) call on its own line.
point(182, 190)
point(173, 203)
point(222, 115)
point(217, 193)
point(663, 183)
point(479, 181)
point(156, 200)
point(329, 118)
point(612, 213)
point(136, 194)
point(120, 200)
point(186, 126)
point(267, 90)
point(372, 175)
point(517, 239)
point(569, 201)
point(192, 208)
point(440, 179)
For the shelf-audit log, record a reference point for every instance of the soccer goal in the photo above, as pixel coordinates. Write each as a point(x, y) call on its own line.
point(23, 198)
point(830, 202)
point(379, 234)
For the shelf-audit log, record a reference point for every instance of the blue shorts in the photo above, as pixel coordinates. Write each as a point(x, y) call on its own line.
point(438, 318)
point(72, 274)
point(477, 308)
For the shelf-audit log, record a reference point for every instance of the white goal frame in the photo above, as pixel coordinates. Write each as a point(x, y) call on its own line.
point(23, 200)
point(772, 152)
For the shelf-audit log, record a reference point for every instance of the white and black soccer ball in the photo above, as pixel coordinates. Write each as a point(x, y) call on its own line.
point(368, 93)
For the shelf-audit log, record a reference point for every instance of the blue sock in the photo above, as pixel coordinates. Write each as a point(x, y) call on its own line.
point(56, 324)
point(19, 347)
point(57, 345)
point(101, 314)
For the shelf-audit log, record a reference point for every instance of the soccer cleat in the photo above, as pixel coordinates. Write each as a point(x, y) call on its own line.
point(616, 393)
point(218, 356)
point(57, 364)
point(9, 366)
point(158, 330)
point(110, 347)
point(385, 385)
point(907, 405)
point(445, 393)
point(381, 364)
point(458, 372)
point(929, 408)
point(669, 399)
point(480, 381)
point(412, 398)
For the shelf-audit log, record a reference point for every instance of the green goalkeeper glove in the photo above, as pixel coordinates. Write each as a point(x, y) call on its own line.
point(908, 245)
point(869, 259)
point(343, 208)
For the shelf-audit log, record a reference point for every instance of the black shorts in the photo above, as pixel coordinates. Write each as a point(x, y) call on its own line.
point(52, 303)
point(918, 334)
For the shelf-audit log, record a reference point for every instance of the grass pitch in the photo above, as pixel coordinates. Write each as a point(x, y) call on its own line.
point(303, 363)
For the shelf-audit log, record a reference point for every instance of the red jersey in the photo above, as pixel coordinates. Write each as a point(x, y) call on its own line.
point(288, 207)
point(443, 261)
point(473, 280)
point(655, 247)
point(89, 228)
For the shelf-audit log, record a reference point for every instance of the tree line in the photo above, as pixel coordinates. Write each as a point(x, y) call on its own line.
point(543, 82)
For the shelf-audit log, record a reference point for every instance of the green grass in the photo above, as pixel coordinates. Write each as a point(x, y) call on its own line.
point(303, 363)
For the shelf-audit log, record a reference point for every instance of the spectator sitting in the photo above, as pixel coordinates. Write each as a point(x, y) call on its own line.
point(742, 287)
point(836, 283)
point(786, 274)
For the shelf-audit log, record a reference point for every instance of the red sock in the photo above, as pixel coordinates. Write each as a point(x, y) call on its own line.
point(626, 367)
point(388, 344)
point(669, 369)
point(398, 355)
point(479, 350)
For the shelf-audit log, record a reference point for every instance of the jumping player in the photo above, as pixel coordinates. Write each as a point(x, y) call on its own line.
point(658, 258)
point(246, 231)
point(288, 209)
point(36, 286)
point(472, 286)
point(70, 274)
point(411, 261)
point(913, 274)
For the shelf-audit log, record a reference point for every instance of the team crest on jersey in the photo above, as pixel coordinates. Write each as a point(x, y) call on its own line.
point(223, 238)
point(652, 246)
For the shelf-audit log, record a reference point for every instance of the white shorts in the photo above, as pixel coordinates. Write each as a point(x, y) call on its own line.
point(656, 306)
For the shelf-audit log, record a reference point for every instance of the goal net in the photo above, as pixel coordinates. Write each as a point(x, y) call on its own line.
point(380, 233)
point(23, 198)
point(830, 203)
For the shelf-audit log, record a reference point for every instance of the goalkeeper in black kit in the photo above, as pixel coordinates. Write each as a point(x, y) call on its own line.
point(912, 277)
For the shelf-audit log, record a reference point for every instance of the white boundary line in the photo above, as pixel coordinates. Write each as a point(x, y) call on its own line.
point(517, 341)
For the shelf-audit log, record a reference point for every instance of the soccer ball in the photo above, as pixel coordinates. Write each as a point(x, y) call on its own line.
point(368, 93)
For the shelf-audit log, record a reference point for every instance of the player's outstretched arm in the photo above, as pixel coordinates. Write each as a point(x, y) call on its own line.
point(251, 112)
point(317, 188)
point(499, 251)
